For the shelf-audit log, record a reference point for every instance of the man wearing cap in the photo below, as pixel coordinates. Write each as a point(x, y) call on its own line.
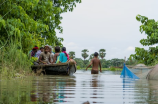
point(34, 51)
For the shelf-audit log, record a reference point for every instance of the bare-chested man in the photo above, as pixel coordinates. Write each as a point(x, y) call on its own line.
point(95, 62)
point(56, 55)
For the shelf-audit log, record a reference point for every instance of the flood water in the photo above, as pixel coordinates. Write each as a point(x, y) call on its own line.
point(105, 88)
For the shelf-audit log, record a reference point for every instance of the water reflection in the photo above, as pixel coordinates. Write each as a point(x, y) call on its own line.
point(82, 88)
point(94, 85)
point(53, 88)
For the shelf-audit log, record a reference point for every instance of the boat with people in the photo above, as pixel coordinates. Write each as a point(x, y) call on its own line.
point(50, 63)
point(68, 68)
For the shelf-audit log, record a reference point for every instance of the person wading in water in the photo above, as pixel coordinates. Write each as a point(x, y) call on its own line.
point(95, 62)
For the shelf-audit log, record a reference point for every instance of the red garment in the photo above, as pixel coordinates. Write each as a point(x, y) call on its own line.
point(66, 55)
point(35, 48)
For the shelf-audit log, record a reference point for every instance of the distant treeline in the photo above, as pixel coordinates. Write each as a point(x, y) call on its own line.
point(115, 62)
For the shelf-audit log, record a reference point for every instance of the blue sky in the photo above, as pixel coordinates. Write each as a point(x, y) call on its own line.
point(107, 24)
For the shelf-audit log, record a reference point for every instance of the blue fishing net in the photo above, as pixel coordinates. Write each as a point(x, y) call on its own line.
point(126, 73)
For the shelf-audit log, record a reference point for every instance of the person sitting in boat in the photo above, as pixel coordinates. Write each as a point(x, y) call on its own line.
point(61, 57)
point(51, 54)
point(64, 57)
point(56, 55)
point(45, 56)
point(71, 60)
point(33, 52)
point(39, 52)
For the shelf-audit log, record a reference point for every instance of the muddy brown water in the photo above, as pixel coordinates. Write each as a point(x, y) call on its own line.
point(82, 87)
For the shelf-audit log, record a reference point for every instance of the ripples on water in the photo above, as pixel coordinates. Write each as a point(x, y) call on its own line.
point(105, 88)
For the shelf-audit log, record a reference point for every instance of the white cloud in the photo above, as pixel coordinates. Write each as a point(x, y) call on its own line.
point(71, 44)
point(114, 48)
point(154, 45)
point(130, 48)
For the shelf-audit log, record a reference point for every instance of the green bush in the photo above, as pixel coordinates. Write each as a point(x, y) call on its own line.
point(78, 67)
point(112, 69)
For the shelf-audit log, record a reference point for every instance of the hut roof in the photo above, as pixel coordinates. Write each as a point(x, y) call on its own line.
point(140, 66)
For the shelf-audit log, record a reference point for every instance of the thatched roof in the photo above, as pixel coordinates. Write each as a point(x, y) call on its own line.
point(140, 66)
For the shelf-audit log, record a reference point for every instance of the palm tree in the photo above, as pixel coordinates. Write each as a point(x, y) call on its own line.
point(72, 54)
point(102, 53)
point(84, 54)
point(91, 56)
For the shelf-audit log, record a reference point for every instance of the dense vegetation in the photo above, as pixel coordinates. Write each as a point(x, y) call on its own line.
point(26, 23)
point(150, 28)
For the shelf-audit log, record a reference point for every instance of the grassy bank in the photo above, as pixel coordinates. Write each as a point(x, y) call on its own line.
point(13, 62)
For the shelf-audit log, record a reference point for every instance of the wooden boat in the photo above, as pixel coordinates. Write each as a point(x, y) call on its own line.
point(68, 68)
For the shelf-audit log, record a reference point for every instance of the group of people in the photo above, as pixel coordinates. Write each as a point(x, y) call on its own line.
point(45, 55)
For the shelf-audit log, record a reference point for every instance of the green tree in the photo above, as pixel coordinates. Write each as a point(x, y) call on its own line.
point(117, 62)
point(91, 56)
point(85, 55)
point(131, 61)
point(72, 54)
point(79, 62)
point(107, 64)
point(150, 28)
point(32, 22)
point(102, 53)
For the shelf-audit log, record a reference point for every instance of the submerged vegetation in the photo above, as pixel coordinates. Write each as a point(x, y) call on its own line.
point(24, 24)
point(17, 91)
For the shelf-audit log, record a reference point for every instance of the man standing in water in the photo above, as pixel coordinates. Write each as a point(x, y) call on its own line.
point(95, 62)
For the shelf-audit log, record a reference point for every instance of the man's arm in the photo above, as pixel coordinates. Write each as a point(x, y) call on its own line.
point(100, 66)
point(54, 58)
point(49, 59)
point(89, 64)
point(40, 59)
point(61, 57)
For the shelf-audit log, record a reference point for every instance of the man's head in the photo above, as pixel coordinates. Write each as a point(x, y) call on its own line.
point(57, 49)
point(96, 54)
point(42, 49)
point(46, 49)
point(35, 49)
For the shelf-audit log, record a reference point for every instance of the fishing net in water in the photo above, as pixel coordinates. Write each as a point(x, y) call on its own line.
point(126, 73)
point(140, 72)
